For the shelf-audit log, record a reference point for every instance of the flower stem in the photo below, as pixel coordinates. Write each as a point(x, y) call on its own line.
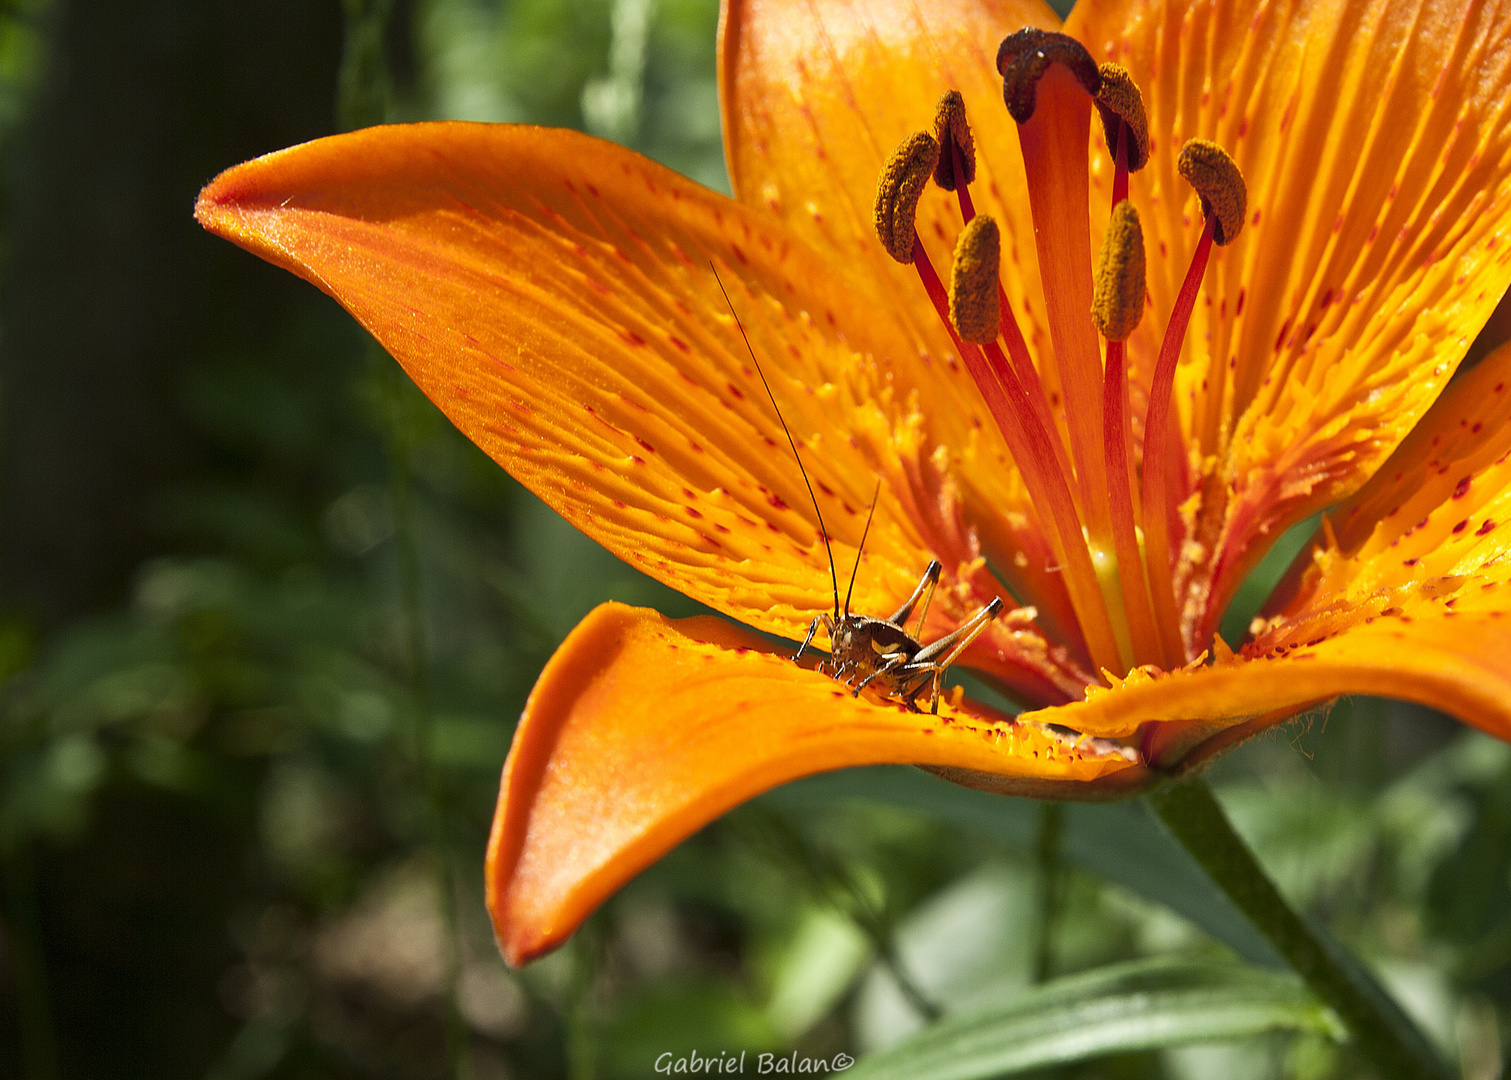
point(1383, 1034)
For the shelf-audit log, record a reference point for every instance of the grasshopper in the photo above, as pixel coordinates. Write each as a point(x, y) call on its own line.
point(864, 650)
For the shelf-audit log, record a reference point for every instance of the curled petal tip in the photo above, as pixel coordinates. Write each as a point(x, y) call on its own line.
point(642, 729)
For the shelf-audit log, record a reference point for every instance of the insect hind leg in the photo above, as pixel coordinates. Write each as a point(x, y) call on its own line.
point(935, 658)
point(924, 591)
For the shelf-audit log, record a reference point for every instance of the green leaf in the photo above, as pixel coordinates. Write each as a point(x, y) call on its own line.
point(1119, 842)
point(1126, 1007)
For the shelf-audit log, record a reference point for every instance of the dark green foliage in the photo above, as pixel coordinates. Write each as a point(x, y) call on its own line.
point(267, 620)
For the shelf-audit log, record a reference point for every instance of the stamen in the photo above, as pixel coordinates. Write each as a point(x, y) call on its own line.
point(1119, 99)
point(958, 145)
point(1117, 310)
point(1117, 305)
point(1222, 190)
point(902, 181)
point(957, 151)
point(1208, 168)
point(1047, 484)
point(953, 133)
point(974, 310)
point(1027, 375)
point(1125, 125)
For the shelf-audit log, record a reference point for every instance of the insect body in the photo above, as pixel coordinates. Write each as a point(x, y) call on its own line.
point(864, 650)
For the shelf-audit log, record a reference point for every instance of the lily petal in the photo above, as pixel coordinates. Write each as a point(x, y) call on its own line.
point(1457, 660)
point(1415, 605)
point(1467, 429)
point(1442, 544)
point(553, 295)
point(642, 729)
point(1375, 142)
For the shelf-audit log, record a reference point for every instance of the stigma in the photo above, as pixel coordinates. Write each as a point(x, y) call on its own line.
point(1109, 503)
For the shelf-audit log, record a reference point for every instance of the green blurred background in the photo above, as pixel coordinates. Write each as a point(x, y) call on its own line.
point(266, 621)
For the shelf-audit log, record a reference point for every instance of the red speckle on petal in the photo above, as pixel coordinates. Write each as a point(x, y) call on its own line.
point(1285, 328)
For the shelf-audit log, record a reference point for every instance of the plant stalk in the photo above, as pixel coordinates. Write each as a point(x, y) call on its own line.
point(1382, 1033)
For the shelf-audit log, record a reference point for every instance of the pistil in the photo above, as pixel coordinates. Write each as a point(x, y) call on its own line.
point(1048, 83)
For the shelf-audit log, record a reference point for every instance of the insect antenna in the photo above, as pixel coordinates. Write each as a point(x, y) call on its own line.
point(864, 533)
point(823, 530)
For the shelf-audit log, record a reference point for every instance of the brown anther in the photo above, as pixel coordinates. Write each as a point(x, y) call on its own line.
point(1118, 303)
point(974, 308)
point(1119, 99)
point(902, 181)
point(950, 124)
point(1025, 56)
point(1208, 168)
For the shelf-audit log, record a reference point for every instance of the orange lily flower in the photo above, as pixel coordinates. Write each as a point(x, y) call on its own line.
point(553, 294)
